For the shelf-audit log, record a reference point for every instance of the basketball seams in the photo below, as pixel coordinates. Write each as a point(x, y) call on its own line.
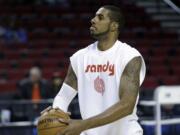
point(50, 123)
point(59, 115)
point(41, 129)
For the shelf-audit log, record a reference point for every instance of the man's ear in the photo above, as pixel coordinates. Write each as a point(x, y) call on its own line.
point(114, 26)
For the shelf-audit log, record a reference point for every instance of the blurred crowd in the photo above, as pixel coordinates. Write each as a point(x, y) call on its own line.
point(35, 87)
point(11, 31)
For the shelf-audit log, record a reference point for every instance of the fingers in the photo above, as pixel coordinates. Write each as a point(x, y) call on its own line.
point(58, 109)
point(46, 110)
point(69, 113)
point(65, 121)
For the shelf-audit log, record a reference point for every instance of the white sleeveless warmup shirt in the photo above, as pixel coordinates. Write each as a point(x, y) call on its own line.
point(98, 76)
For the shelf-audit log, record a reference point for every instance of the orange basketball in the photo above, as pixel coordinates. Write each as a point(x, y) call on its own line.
point(49, 124)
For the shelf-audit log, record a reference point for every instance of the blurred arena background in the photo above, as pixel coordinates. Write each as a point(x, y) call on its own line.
point(38, 36)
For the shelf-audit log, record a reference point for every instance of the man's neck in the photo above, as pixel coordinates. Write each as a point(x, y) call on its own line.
point(105, 44)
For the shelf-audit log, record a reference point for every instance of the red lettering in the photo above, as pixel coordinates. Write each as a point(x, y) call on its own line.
point(87, 69)
point(93, 68)
point(105, 67)
point(101, 68)
point(111, 69)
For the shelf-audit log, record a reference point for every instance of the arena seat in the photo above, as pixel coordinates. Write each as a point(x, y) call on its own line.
point(150, 83)
point(9, 86)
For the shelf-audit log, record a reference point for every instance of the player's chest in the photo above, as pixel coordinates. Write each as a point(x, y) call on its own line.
point(100, 65)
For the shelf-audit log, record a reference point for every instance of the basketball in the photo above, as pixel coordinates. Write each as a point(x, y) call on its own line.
point(49, 123)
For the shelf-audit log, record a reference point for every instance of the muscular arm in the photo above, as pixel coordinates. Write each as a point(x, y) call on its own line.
point(67, 92)
point(129, 88)
point(71, 78)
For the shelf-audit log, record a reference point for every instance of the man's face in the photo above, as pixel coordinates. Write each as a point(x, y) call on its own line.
point(100, 24)
point(35, 75)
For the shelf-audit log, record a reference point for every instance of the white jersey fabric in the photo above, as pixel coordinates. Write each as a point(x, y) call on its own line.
point(98, 76)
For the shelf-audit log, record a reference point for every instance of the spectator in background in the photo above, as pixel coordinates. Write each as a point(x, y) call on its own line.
point(19, 2)
point(56, 84)
point(20, 33)
point(9, 35)
point(167, 111)
point(11, 31)
point(34, 87)
point(2, 30)
point(62, 3)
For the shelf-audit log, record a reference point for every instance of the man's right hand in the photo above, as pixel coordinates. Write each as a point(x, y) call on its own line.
point(46, 110)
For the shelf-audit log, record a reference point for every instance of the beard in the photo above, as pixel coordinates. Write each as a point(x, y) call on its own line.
point(99, 35)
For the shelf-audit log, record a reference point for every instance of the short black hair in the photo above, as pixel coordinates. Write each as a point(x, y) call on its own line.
point(115, 15)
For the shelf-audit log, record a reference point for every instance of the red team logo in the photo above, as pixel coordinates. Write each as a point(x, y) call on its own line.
point(99, 85)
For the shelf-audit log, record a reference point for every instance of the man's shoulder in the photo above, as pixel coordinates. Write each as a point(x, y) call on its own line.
point(127, 51)
point(128, 48)
point(24, 82)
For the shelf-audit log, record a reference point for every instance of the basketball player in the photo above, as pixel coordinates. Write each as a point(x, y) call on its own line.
point(106, 75)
